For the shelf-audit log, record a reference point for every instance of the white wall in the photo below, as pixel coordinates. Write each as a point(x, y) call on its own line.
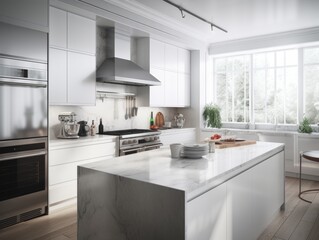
point(112, 112)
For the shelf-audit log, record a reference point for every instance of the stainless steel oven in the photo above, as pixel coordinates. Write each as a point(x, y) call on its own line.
point(23, 180)
point(23, 99)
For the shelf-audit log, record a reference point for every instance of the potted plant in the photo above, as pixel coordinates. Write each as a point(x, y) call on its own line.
point(211, 115)
point(304, 126)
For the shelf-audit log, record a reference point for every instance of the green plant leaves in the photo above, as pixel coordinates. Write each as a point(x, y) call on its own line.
point(304, 126)
point(211, 114)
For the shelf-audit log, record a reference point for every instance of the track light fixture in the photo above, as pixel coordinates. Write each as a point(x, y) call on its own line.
point(183, 10)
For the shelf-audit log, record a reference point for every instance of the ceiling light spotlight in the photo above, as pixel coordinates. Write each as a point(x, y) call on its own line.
point(182, 12)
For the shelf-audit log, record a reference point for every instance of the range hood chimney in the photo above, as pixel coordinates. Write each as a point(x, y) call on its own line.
point(121, 70)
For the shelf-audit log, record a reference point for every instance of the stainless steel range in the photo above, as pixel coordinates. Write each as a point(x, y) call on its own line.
point(136, 140)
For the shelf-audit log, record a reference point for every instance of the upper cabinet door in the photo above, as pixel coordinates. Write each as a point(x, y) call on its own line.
point(30, 14)
point(171, 89)
point(81, 79)
point(171, 58)
point(58, 29)
point(81, 34)
point(157, 54)
point(183, 90)
point(57, 76)
point(157, 93)
point(184, 61)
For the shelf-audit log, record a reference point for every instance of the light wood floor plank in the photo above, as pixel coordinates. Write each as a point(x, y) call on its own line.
point(314, 234)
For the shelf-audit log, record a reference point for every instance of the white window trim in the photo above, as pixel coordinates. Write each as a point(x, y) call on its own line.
point(301, 97)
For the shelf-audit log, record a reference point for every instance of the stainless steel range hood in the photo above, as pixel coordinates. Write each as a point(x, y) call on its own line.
point(122, 71)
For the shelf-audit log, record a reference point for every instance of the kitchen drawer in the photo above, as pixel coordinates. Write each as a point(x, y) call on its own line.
point(62, 192)
point(73, 154)
point(67, 172)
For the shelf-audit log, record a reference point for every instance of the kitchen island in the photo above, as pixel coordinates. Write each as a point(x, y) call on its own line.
point(230, 194)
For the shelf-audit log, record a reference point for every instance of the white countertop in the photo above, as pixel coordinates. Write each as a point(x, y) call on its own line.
point(56, 143)
point(176, 130)
point(194, 176)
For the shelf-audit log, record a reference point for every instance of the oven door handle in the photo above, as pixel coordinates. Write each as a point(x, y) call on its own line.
point(10, 156)
point(132, 150)
point(21, 82)
point(155, 146)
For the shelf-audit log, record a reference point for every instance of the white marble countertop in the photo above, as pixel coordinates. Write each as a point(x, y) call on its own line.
point(194, 176)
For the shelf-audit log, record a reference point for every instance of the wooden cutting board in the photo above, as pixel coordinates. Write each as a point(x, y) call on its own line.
point(221, 145)
point(159, 119)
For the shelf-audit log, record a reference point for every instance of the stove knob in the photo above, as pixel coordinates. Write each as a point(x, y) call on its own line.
point(147, 139)
point(156, 138)
point(152, 138)
point(135, 141)
point(124, 142)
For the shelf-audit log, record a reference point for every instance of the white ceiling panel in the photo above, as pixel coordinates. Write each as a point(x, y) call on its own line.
point(242, 18)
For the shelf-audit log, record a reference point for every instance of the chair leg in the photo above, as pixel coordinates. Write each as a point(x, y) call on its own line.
point(301, 192)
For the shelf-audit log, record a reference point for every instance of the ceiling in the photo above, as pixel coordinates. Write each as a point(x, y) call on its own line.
point(241, 18)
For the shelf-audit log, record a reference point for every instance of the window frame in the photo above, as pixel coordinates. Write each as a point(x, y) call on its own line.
point(300, 84)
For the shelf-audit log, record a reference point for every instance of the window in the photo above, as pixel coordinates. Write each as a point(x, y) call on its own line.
point(232, 88)
point(274, 87)
point(311, 83)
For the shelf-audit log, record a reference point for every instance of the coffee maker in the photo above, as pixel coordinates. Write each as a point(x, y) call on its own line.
point(69, 128)
point(84, 129)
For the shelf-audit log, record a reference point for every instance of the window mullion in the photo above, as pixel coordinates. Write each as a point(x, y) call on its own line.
point(301, 97)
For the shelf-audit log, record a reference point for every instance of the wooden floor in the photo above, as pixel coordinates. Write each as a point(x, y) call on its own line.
point(299, 220)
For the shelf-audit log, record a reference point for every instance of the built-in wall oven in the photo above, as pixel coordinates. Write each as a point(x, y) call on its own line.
point(23, 180)
point(23, 125)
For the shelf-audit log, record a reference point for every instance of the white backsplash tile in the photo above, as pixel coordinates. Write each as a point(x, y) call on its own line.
point(112, 112)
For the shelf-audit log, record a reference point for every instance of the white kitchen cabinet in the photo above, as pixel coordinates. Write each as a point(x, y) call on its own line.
point(156, 56)
point(239, 202)
point(158, 92)
point(30, 14)
point(171, 89)
point(72, 78)
point(183, 84)
point(58, 28)
point(206, 215)
point(178, 135)
point(81, 79)
point(81, 34)
point(72, 59)
point(184, 61)
point(64, 158)
point(58, 76)
point(171, 60)
point(71, 31)
point(242, 207)
point(253, 198)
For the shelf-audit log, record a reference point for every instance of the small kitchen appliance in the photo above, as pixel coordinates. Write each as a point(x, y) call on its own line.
point(69, 128)
point(179, 120)
point(84, 129)
point(136, 140)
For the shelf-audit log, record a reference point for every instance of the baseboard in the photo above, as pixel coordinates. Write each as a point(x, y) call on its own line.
point(63, 204)
point(303, 176)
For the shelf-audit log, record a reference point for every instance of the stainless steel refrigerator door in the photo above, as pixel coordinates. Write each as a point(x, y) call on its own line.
point(23, 109)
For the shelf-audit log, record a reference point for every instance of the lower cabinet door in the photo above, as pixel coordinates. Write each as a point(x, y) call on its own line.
point(239, 207)
point(206, 215)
